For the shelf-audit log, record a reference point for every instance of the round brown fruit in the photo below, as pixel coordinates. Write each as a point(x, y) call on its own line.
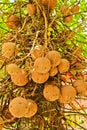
point(18, 107)
point(68, 94)
point(64, 66)
point(51, 92)
point(39, 77)
point(20, 78)
point(32, 108)
point(85, 93)
point(1, 123)
point(42, 65)
point(54, 57)
point(31, 9)
point(8, 49)
point(65, 10)
point(80, 86)
point(53, 71)
point(75, 9)
point(68, 19)
point(36, 52)
point(12, 22)
point(49, 3)
point(12, 68)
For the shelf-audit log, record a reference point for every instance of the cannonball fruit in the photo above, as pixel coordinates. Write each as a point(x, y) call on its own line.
point(12, 22)
point(51, 92)
point(85, 93)
point(18, 107)
point(65, 10)
point(42, 65)
point(21, 107)
point(53, 71)
point(80, 86)
point(68, 94)
point(64, 66)
point(68, 19)
point(12, 68)
point(54, 57)
point(32, 108)
point(31, 9)
point(39, 77)
point(75, 9)
point(1, 123)
point(36, 52)
point(20, 78)
point(49, 3)
point(8, 49)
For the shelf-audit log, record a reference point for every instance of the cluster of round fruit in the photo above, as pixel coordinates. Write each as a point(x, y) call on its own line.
point(64, 93)
point(9, 49)
point(22, 107)
point(48, 65)
point(50, 4)
point(68, 12)
point(13, 21)
point(45, 66)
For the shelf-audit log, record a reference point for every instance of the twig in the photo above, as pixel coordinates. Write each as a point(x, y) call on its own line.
point(34, 41)
point(46, 23)
point(45, 34)
point(75, 123)
point(23, 24)
point(57, 16)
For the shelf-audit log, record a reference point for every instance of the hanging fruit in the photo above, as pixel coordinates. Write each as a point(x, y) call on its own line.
point(39, 77)
point(54, 57)
point(68, 19)
point(1, 123)
point(13, 22)
point(75, 9)
point(81, 87)
point(42, 65)
point(18, 107)
point(31, 9)
point(20, 77)
point(8, 49)
point(51, 92)
point(32, 108)
point(64, 66)
point(12, 68)
point(50, 4)
point(68, 94)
